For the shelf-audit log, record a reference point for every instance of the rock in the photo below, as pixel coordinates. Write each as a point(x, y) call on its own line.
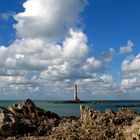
point(124, 116)
point(106, 124)
point(33, 119)
point(9, 124)
point(133, 132)
point(118, 121)
point(87, 114)
point(35, 123)
point(109, 134)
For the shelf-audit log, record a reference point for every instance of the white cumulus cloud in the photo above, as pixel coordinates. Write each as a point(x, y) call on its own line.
point(131, 72)
point(108, 56)
point(51, 53)
point(128, 48)
point(131, 65)
point(48, 18)
point(92, 65)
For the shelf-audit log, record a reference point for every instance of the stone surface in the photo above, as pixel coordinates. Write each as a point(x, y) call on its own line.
point(33, 119)
point(9, 124)
point(133, 132)
point(94, 125)
point(36, 124)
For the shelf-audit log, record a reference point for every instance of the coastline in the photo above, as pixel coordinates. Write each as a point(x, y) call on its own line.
point(26, 121)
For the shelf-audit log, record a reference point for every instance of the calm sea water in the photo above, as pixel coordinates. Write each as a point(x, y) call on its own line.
point(69, 109)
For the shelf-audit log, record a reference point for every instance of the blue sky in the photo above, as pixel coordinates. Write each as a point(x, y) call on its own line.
point(111, 23)
point(103, 47)
point(7, 31)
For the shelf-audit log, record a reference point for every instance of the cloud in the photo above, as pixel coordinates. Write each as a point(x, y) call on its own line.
point(7, 16)
point(75, 46)
point(48, 18)
point(98, 87)
point(51, 53)
point(131, 74)
point(128, 48)
point(30, 65)
point(92, 65)
point(108, 56)
point(131, 65)
point(17, 86)
point(38, 54)
point(95, 87)
point(131, 85)
point(43, 59)
point(129, 82)
point(70, 66)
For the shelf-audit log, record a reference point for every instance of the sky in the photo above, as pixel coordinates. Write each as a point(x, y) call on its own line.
point(46, 46)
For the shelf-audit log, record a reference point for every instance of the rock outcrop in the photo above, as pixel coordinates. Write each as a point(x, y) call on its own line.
point(107, 124)
point(33, 119)
point(25, 121)
point(9, 124)
point(133, 132)
point(94, 125)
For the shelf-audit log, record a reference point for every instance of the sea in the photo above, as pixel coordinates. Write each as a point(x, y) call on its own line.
point(73, 109)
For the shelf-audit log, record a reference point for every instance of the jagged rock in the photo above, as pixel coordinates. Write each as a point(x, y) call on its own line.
point(107, 124)
point(34, 119)
point(91, 125)
point(133, 132)
point(126, 115)
point(87, 114)
point(9, 124)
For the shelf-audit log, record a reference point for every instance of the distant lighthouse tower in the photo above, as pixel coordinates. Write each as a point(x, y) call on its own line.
point(75, 93)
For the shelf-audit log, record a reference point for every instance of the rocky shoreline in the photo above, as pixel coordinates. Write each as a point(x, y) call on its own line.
point(25, 121)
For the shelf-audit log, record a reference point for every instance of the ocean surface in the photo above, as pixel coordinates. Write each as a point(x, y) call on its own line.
point(71, 109)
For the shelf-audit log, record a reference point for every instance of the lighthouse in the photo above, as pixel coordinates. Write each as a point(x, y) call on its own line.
point(75, 97)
